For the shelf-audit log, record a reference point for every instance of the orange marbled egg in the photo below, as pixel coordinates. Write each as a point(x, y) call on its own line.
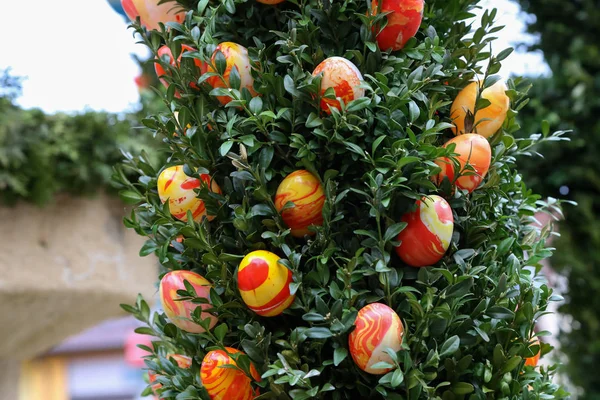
point(151, 13)
point(473, 149)
point(226, 383)
point(180, 312)
point(182, 361)
point(341, 75)
point(378, 328)
point(403, 22)
point(428, 233)
point(165, 54)
point(533, 361)
point(306, 192)
point(236, 56)
point(178, 188)
point(264, 284)
point(487, 120)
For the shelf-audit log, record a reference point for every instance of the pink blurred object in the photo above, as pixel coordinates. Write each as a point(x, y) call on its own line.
point(134, 356)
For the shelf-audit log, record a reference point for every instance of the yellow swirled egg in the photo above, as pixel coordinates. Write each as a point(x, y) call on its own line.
point(341, 75)
point(428, 232)
point(306, 192)
point(487, 120)
point(236, 56)
point(180, 312)
point(174, 185)
point(378, 328)
point(264, 284)
point(151, 13)
point(226, 383)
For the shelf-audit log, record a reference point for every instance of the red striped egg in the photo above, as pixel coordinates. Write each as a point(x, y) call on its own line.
point(341, 75)
point(264, 283)
point(227, 383)
point(180, 312)
point(428, 233)
point(378, 328)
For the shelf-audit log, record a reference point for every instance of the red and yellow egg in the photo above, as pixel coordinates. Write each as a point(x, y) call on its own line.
point(224, 383)
point(403, 22)
point(178, 188)
point(184, 362)
point(473, 149)
point(236, 56)
point(151, 13)
point(341, 75)
point(428, 234)
point(378, 328)
point(306, 192)
point(180, 312)
point(165, 52)
point(264, 283)
point(487, 120)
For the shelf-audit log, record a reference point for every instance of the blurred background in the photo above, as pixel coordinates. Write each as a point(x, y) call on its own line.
point(69, 104)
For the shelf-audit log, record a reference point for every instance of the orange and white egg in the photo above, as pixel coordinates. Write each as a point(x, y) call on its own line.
point(472, 149)
point(378, 328)
point(236, 56)
point(488, 120)
point(151, 13)
point(178, 188)
point(341, 75)
point(264, 283)
point(403, 22)
point(180, 312)
point(184, 362)
point(306, 192)
point(427, 236)
point(224, 383)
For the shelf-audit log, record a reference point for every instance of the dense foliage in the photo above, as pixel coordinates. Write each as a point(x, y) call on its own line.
point(468, 319)
point(568, 99)
point(41, 155)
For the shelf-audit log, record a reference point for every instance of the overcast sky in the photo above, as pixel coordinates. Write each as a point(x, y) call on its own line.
point(79, 54)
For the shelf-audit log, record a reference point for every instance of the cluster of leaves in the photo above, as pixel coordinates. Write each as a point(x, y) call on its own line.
point(469, 319)
point(41, 155)
point(568, 100)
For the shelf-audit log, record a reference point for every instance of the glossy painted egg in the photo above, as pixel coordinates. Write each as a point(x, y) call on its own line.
point(179, 312)
point(487, 120)
point(236, 56)
point(264, 284)
point(403, 22)
point(473, 149)
point(165, 54)
point(226, 383)
point(428, 233)
point(533, 361)
point(378, 327)
point(270, 1)
point(151, 13)
point(341, 75)
point(182, 361)
point(306, 192)
point(174, 185)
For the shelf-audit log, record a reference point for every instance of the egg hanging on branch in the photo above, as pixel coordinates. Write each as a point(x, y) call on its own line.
point(306, 192)
point(403, 22)
point(183, 362)
point(472, 149)
point(178, 188)
point(180, 312)
point(223, 383)
point(151, 13)
point(428, 232)
point(166, 55)
point(236, 57)
point(343, 77)
point(264, 283)
point(378, 328)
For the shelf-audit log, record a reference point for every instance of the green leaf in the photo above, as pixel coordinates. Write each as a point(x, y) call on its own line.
point(450, 346)
point(130, 197)
point(339, 355)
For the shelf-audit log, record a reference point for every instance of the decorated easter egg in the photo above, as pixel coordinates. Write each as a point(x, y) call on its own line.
point(264, 284)
point(533, 361)
point(224, 383)
point(378, 328)
point(165, 54)
point(403, 22)
point(236, 56)
point(341, 75)
point(473, 149)
point(427, 236)
point(487, 120)
point(306, 192)
point(184, 362)
point(270, 1)
point(174, 185)
point(179, 312)
point(151, 13)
